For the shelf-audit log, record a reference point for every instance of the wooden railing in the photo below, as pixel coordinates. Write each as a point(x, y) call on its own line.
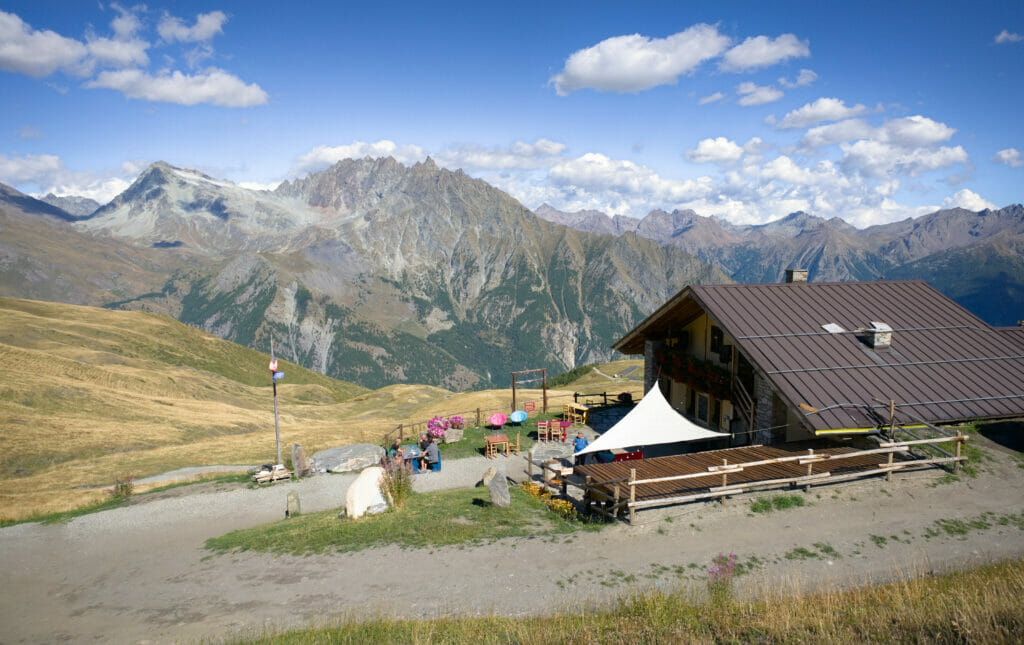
point(743, 403)
point(619, 495)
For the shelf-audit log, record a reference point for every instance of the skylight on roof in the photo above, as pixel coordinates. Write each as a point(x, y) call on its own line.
point(833, 328)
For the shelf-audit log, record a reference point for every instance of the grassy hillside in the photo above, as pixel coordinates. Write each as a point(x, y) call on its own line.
point(92, 394)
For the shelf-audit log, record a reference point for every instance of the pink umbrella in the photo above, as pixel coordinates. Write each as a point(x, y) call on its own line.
point(497, 419)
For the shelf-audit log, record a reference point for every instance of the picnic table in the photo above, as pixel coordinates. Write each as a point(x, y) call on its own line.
point(495, 442)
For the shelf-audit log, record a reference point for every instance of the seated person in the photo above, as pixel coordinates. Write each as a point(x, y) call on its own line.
point(432, 456)
point(395, 451)
point(424, 442)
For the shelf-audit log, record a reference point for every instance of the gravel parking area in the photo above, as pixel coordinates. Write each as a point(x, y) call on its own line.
point(141, 574)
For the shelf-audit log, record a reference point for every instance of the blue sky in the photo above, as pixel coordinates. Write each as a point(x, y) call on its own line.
point(870, 111)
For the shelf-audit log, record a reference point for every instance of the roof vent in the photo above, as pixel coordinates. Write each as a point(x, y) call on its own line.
point(879, 335)
point(796, 275)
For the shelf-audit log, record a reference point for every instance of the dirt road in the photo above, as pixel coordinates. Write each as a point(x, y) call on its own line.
point(141, 574)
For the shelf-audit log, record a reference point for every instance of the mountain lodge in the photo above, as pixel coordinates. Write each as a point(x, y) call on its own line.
point(784, 362)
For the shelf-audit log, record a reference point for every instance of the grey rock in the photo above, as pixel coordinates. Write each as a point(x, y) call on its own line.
point(346, 459)
point(300, 465)
point(452, 435)
point(498, 490)
point(293, 504)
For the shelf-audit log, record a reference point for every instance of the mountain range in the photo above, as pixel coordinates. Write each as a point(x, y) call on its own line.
point(973, 257)
point(369, 271)
point(377, 273)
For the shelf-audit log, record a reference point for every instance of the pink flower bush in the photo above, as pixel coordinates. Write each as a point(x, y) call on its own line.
point(437, 426)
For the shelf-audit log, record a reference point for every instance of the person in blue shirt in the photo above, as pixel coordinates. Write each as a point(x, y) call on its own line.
point(579, 443)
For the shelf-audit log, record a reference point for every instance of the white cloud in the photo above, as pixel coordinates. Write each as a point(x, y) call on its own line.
point(47, 174)
point(879, 159)
point(207, 26)
point(915, 131)
point(907, 132)
point(36, 53)
point(1010, 157)
point(126, 23)
point(519, 155)
point(596, 173)
point(762, 51)
point(717, 96)
point(805, 77)
point(118, 53)
point(1005, 36)
point(213, 86)
point(826, 135)
point(634, 63)
point(321, 157)
point(751, 94)
point(968, 199)
point(823, 109)
point(30, 132)
point(718, 150)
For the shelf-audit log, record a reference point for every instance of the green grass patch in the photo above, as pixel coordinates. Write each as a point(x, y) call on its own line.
point(978, 606)
point(776, 503)
point(464, 517)
point(801, 553)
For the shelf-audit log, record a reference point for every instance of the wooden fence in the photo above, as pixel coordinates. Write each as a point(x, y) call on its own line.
point(619, 496)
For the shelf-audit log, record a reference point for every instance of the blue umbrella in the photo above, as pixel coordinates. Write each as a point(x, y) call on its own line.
point(517, 417)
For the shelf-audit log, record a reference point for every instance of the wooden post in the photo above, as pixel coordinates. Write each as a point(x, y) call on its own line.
point(888, 475)
point(725, 462)
point(892, 417)
point(401, 432)
point(544, 382)
point(513, 391)
point(632, 492)
point(810, 468)
point(615, 503)
point(959, 442)
point(478, 424)
point(529, 465)
point(586, 493)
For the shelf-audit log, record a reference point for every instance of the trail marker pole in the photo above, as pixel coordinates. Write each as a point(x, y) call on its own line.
point(273, 380)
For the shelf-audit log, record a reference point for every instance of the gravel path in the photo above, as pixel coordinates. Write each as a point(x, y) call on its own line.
point(140, 573)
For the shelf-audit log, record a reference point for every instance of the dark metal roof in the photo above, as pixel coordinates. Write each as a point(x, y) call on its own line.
point(944, 365)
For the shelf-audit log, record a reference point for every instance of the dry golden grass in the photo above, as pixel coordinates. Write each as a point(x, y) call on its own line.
point(91, 394)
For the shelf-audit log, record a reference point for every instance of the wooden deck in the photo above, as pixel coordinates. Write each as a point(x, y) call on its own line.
point(699, 462)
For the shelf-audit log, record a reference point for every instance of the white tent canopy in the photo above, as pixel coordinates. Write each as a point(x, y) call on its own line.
point(651, 422)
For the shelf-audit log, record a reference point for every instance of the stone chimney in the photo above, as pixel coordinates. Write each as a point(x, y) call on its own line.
point(796, 275)
point(879, 335)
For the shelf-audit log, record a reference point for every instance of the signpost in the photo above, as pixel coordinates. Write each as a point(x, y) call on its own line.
point(274, 377)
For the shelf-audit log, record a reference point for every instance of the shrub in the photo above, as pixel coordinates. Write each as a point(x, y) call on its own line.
point(124, 486)
point(396, 483)
point(720, 575)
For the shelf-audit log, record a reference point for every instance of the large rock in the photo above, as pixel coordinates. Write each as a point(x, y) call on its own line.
point(498, 490)
point(293, 504)
point(489, 475)
point(347, 458)
point(453, 434)
point(364, 495)
point(300, 466)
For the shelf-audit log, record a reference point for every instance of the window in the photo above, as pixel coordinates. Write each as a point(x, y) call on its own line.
point(717, 337)
point(703, 408)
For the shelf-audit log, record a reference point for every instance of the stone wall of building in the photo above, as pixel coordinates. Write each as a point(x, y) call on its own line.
point(651, 366)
